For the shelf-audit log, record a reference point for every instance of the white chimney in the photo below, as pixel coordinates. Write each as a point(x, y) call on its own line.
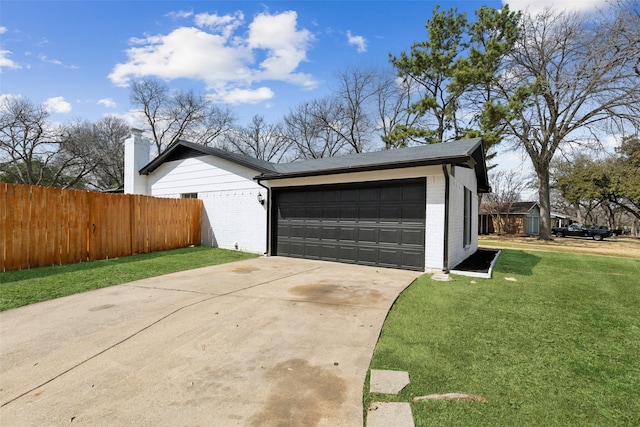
point(136, 156)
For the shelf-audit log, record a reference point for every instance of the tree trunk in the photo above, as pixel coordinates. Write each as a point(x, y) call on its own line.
point(544, 199)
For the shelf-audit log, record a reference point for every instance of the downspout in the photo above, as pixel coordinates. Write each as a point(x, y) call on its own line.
point(445, 258)
point(268, 203)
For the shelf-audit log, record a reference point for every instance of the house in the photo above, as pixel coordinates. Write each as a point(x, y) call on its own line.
point(560, 220)
point(510, 218)
point(411, 208)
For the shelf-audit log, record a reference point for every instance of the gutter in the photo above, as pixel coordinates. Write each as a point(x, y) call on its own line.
point(445, 258)
point(268, 206)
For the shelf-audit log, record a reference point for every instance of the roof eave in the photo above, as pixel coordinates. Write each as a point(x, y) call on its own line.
point(458, 161)
point(206, 151)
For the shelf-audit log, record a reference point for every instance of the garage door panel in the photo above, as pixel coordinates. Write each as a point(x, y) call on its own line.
point(314, 196)
point(410, 258)
point(349, 234)
point(330, 196)
point(312, 231)
point(390, 194)
point(296, 230)
point(390, 235)
point(329, 252)
point(368, 195)
point(371, 223)
point(390, 214)
point(413, 193)
point(368, 214)
point(412, 237)
point(296, 249)
point(390, 257)
point(348, 213)
point(347, 253)
point(349, 196)
point(312, 250)
point(330, 213)
point(313, 212)
point(329, 232)
point(413, 214)
point(368, 255)
point(367, 235)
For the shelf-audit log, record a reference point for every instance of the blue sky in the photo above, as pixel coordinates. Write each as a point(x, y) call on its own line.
point(77, 57)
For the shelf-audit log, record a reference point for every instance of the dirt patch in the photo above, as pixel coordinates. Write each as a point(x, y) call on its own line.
point(336, 294)
point(243, 269)
point(301, 395)
point(102, 307)
point(618, 247)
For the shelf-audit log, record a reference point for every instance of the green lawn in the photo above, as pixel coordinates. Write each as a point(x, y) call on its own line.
point(560, 346)
point(18, 288)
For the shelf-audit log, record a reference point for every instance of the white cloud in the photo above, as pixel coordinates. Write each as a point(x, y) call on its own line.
point(6, 97)
point(224, 25)
point(222, 56)
point(358, 41)
point(3, 30)
point(186, 52)
point(286, 47)
point(107, 102)
point(244, 96)
point(57, 105)
point(44, 58)
point(6, 62)
point(536, 6)
point(181, 14)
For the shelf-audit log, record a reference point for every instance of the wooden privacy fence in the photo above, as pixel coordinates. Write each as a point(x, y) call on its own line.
point(41, 226)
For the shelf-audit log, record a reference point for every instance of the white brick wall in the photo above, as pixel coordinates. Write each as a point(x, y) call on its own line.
point(434, 233)
point(457, 251)
point(232, 218)
point(136, 156)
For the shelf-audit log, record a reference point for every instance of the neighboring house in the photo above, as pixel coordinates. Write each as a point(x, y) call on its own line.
point(411, 208)
point(560, 220)
point(510, 218)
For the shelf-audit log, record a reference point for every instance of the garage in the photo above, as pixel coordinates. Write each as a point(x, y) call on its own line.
point(378, 223)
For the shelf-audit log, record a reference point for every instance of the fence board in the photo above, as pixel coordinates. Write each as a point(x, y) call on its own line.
point(50, 226)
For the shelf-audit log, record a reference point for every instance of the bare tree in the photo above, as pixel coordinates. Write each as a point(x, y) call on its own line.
point(568, 80)
point(178, 115)
point(394, 100)
point(307, 131)
point(355, 96)
point(215, 123)
point(506, 189)
point(260, 140)
point(31, 149)
point(99, 150)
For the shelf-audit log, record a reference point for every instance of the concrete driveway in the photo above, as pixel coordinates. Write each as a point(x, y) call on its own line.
point(265, 342)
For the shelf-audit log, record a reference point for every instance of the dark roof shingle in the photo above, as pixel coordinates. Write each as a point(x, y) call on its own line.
point(467, 153)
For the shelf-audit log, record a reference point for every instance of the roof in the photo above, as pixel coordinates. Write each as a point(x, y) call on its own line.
point(515, 208)
point(466, 153)
point(185, 150)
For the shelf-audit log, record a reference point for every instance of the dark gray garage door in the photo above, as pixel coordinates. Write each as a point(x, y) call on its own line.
point(380, 223)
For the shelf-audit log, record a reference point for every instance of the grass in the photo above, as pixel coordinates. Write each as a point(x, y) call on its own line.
point(19, 288)
point(559, 346)
point(618, 247)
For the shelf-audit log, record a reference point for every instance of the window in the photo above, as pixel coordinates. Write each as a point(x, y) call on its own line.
point(189, 196)
point(467, 217)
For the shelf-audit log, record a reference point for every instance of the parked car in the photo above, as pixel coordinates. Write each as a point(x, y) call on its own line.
point(579, 230)
point(613, 232)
